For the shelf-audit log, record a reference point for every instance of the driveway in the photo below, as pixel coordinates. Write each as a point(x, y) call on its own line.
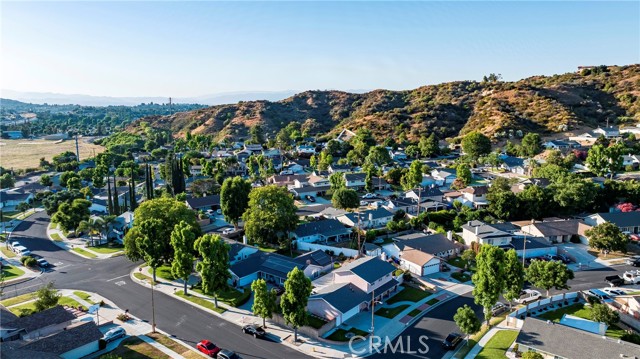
point(579, 253)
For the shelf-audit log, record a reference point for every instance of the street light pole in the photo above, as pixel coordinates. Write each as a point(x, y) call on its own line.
point(153, 309)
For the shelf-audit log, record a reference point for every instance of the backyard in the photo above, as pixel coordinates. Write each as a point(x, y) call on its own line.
point(582, 311)
point(460, 263)
point(497, 346)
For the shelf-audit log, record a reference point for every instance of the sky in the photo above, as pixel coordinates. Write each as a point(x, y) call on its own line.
point(185, 49)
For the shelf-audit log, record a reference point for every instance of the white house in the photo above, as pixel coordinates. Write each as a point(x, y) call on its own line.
point(443, 177)
point(475, 196)
point(10, 199)
point(482, 233)
point(420, 253)
point(369, 219)
point(626, 221)
point(306, 150)
point(355, 180)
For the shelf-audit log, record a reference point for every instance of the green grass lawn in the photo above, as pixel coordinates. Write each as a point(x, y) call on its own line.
point(141, 276)
point(164, 272)
point(414, 312)
point(582, 311)
point(315, 322)
point(200, 301)
point(391, 312)
point(459, 262)
point(24, 309)
point(11, 272)
point(17, 300)
point(340, 334)
point(134, 348)
point(84, 252)
point(70, 302)
point(230, 296)
point(474, 339)
point(84, 296)
point(497, 346)
point(461, 277)
point(7, 252)
point(409, 294)
point(56, 237)
point(107, 248)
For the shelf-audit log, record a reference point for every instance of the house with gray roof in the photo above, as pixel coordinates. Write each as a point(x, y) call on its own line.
point(204, 203)
point(35, 325)
point(553, 341)
point(557, 231)
point(483, 233)
point(354, 287)
point(76, 341)
point(626, 221)
point(323, 231)
point(420, 253)
point(369, 219)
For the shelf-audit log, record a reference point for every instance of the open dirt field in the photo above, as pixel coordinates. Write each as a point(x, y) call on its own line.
point(24, 153)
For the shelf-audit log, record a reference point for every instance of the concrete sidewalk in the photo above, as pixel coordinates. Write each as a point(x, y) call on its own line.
point(485, 339)
point(68, 244)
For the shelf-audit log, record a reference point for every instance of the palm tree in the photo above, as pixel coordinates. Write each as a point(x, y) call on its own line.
point(95, 226)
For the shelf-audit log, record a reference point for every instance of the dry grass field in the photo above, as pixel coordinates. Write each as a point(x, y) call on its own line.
point(20, 154)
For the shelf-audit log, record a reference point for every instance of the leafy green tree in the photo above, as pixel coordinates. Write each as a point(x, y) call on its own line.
point(23, 206)
point(264, 300)
point(271, 212)
point(182, 241)
point(337, 181)
point(234, 198)
point(214, 267)
point(552, 172)
point(503, 204)
point(46, 180)
point(463, 173)
point(99, 173)
point(74, 183)
point(345, 198)
point(257, 134)
point(413, 177)
point(547, 275)
point(534, 201)
point(467, 320)
point(489, 278)
point(47, 297)
point(378, 156)
point(313, 162)
point(603, 160)
point(325, 160)
point(573, 194)
point(514, 276)
point(368, 181)
point(66, 176)
point(531, 144)
point(468, 256)
point(297, 289)
point(475, 144)
point(607, 237)
point(429, 146)
point(412, 151)
point(69, 216)
point(53, 202)
point(602, 313)
point(152, 244)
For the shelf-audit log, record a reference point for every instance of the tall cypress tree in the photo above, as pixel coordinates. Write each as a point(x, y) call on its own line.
point(116, 200)
point(109, 199)
point(132, 190)
point(149, 183)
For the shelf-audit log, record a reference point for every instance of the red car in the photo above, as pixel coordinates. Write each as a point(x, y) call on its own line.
point(208, 348)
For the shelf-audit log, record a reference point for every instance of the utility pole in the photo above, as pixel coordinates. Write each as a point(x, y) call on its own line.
point(419, 198)
point(153, 309)
point(77, 149)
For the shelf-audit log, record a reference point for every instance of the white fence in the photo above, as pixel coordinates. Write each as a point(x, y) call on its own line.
point(534, 306)
point(305, 246)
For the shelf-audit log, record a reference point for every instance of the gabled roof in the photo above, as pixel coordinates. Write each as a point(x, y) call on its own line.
point(326, 227)
point(67, 340)
point(336, 166)
point(511, 161)
point(364, 215)
point(485, 230)
point(477, 190)
point(557, 228)
point(568, 342)
point(342, 296)
point(355, 176)
point(312, 210)
point(207, 201)
point(271, 263)
point(622, 219)
point(45, 318)
point(317, 257)
point(431, 244)
point(369, 268)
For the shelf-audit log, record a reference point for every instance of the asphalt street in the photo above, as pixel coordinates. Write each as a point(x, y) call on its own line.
point(110, 278)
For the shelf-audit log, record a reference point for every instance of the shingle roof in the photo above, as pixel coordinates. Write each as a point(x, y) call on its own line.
point(568, 342)
point(484, 230)
point(355, 176)
point(622, 219)
point(317, 257)
point(45, 318)
point(477, 190)
point(416, 256)
point(327, 227)
point(431, 244)
point(67, 340)
point(271, 263)
point(369, 268)
point(558, 228)
point(313, 210)
point(364, 215)
point(207, 201)
point(343, 296)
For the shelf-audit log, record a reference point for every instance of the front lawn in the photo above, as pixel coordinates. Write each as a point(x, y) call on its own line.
point(84, 252)
point(460, 263)
point(84, 296)
point(391, 312)
point(410, 294)
point(133, 348)
point(23, 310)
point(497, 346)
point(70, 302)
point(19, 299)
point(11, 272)
point(108, 248)
point(461, 277)
point(182, 350)
point(164, 272)
point(7, 252)
point(200, 301)
point(340, 335)
point(315, 322)
point(56, 237)
point(230, 296)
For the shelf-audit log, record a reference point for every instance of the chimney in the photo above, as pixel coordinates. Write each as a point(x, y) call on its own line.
point(244, 239)
point(450, 235)
point(477, 227)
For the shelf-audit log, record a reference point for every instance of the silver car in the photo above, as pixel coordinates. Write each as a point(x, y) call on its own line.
point(114, 334)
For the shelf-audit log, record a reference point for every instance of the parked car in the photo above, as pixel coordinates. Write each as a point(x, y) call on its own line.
point(114, 334)
point(369, 196)
point(14, 244)
point(602, 296)
point(228, 230)
point(21, 251)
point(528, 295)
point(227, 354)
point(364, 203)
point(498, 308)
point(614, 280)
point(631, 260)
point(451, 341)
point(611, 291)
point(254, 330)
point(553, 257)
point(42, 263)
point(631, 277)
point(565, 259)
point(310, 198)
point(208, 348)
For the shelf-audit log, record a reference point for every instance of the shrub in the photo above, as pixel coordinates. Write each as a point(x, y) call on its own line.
point(631, 337)
point(123, 317)
point(30, 262)
point(102, 303)
point(593, 300)
point(23, 259)
point(406, 276)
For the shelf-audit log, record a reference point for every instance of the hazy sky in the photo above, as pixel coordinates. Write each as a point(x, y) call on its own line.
point(194, 48)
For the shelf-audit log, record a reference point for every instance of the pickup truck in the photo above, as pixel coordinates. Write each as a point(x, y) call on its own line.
point(631, 277)
point(614, 280)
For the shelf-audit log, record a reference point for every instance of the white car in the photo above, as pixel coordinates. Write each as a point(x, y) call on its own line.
point(114, 334)
point(364, 203)
point(369, 196)
point(528, 295)
point(228, 231)
point(611, 291)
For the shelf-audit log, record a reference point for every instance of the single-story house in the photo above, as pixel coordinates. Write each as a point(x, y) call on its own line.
point(312, 210)
point(442, 177)
point(204, 203)
point(561, 144)
point(420, 253)
point(327, 230)
point(36, 325)
point(369, 219)
point(240, 251)
point(626, 221)
point(10, 199)
point(74, 342)
point(306, 190)
point(483, 233)
point(336, 168)
point(557, 231)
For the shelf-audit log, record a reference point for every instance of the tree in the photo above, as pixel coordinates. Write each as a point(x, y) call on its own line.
point(488, 280)
point(297, 289)
point(74, 183)
point(270, 213)
point(151, 245)
point(93, 226)
point(46, 180)
point(214, 267)
point(182, 241)
point(513, 275)
point(603, 160)
point(345, 198)
point(534, 201)
point(532, 355)
point(99, 173)
point(257, 134)
point(47, 297)
point(337, 181)
point(148, 182)
point(602, 313)
point(66, 176)
point(325, 160)
point(547, 275)
point(264, 300)
point(234, 198)
point(368, 181)
point(503, 204)
point(378, 156)
point(607, 237)
point(69, 216)
point(531, 144)
point(463, 173)
point(467, 320)
point(429, 146)
point(468, 256)
point(413, 177)
point(475, 144)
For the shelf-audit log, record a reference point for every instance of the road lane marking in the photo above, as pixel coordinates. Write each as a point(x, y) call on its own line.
point(120, 283)
point(122, 276)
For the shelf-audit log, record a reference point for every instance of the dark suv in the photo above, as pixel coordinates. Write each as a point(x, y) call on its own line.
point(452, 341)
point(254, 330)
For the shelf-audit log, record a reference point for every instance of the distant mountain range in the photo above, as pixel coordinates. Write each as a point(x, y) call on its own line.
point(88, 100)
point(544, 104)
